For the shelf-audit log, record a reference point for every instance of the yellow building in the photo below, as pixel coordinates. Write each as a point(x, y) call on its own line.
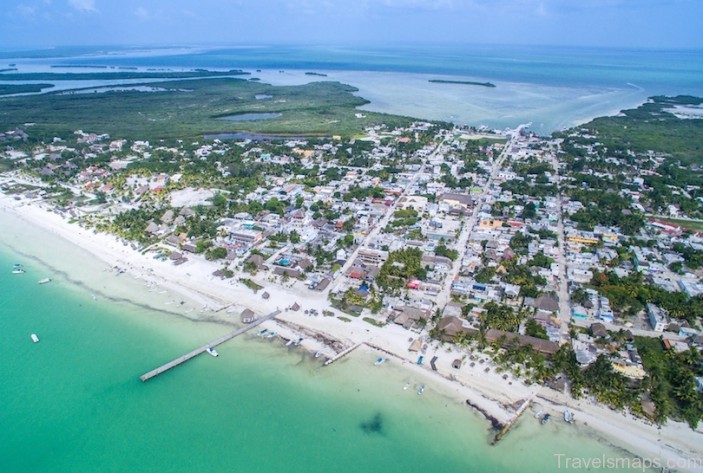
point(583, 240)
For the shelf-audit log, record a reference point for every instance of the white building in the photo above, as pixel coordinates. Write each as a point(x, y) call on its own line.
point(657, 318)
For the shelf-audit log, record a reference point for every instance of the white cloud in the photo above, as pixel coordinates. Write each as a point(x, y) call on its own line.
point(85, 6)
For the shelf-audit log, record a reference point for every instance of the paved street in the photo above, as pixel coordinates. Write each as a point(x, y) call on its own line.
point(445, 295)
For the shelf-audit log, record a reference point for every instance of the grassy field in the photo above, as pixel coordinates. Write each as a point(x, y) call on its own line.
point(190, 108)
point(693, 225)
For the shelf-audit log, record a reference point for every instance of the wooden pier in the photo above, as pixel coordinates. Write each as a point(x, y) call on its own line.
point(341, 354)
point(180, 360)
point(506, 428)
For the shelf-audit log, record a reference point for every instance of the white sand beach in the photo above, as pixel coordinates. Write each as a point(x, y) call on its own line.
point(675, 443)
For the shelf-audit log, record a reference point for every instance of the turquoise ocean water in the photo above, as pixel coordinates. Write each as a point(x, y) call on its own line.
point(73, 402)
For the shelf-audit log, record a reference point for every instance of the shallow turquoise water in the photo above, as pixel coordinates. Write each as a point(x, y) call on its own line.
point(73, 402)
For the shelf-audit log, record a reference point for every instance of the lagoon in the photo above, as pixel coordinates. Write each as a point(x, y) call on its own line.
point(250, 117)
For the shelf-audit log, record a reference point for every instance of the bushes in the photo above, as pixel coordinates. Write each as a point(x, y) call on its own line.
point(215, 253)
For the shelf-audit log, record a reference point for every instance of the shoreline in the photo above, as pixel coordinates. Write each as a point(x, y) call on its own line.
point(487, 393)
point(589, 102)
point(380, 88)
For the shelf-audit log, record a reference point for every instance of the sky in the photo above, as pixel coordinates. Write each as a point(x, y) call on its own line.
point(614, 23)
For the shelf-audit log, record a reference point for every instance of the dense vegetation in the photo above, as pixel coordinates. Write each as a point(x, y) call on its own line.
point(671, 381)
point(8, 89)
point(189, 109)
point(605, 208)
point(400, 267)
point(652, 127)
point(501, 317)
point(630, 295)
point(122, 75)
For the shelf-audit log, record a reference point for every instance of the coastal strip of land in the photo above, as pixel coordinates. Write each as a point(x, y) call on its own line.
point(486, 390)
point(10, 89)
point(462, 82)
point(119, 75)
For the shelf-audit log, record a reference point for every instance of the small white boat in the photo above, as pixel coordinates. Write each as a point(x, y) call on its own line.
point(379, 360)
point(290, 342)
point(18, 269)
point(406, 386)
point(44, 281)
point(299, 341)
point(318, 354)
point(212, 351)
point(34, 337)
point(421, 389)
point(271, 334)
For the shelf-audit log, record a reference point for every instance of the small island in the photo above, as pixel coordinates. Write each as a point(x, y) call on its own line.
point(463, 82)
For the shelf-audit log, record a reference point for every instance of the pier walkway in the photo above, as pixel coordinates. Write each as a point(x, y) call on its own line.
point(506, 428)
point(180, 360)
point(340, 355)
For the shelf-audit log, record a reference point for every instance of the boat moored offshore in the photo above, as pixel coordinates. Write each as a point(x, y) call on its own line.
point(212, 351)
point(34, 338)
